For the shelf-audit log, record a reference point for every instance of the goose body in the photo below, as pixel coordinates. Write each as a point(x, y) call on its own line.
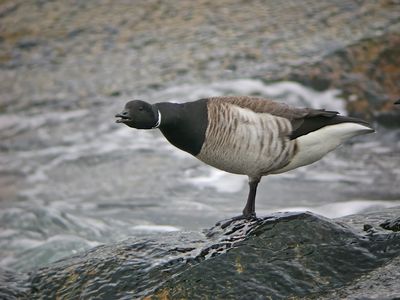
point(241, 141)
point(246, 135)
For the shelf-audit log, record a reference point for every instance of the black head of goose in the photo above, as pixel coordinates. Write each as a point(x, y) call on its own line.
point(246, 135)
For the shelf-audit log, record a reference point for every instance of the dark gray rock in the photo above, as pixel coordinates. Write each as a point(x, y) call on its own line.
point(381, 283)
point(13, 285)
point(281, 255)
point(391, 224)
point(285, 255)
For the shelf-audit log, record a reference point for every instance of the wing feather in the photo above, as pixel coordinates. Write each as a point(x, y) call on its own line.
point(303, 120)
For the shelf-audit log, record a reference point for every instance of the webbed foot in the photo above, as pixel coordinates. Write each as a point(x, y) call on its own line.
point(225, 223)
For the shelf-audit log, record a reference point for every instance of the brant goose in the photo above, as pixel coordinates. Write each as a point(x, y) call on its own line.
point(246, 135)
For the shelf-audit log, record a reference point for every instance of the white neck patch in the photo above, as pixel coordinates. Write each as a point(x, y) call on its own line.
point(158, 121)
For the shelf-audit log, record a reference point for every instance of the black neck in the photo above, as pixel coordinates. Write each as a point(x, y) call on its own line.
point(184, 125)
point(170, 113)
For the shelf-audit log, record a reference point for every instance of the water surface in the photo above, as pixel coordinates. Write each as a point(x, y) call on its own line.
point(73, 179)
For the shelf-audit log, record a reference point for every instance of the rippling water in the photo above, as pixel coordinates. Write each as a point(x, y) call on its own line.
point(70, 180)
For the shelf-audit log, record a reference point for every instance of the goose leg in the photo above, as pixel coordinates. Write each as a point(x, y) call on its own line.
point(249, 210)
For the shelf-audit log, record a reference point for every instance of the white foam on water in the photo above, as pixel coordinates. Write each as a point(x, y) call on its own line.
point(12, 122)
point(221, 181)
point(183, 206)
point(155, 228)
point(290, 92)
point(336, 177)
point(318, 175)
point(122, 138)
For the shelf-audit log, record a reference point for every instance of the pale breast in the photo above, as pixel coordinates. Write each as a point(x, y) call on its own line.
point(241, 141)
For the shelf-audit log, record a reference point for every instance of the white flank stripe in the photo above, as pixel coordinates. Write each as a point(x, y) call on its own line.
point(313, 146)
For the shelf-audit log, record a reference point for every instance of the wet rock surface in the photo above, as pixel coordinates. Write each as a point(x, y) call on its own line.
point(284, 256)
point(279, 256)
point(381, 283)
point(14, 285)
point(393, 224)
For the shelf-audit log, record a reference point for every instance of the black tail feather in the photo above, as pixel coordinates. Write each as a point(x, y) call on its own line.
point(310, 123)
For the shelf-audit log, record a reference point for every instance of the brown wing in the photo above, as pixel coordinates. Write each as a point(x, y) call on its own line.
point(303, 120)
point(262, 105)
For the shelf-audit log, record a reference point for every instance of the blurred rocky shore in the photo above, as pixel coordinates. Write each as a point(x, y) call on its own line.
point(74, 54)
